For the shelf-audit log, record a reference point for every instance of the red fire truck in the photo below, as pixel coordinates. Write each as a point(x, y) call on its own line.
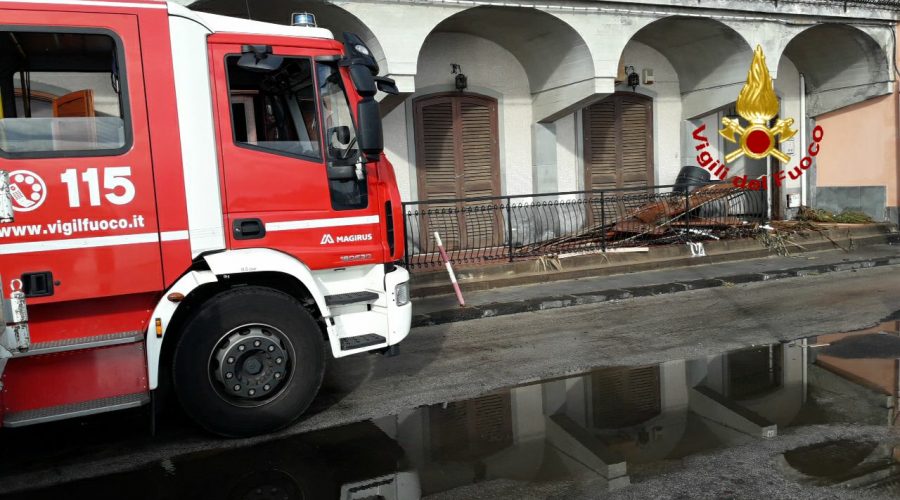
point(192, 202)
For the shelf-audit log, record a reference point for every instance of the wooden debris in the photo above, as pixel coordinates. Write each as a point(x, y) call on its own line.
point(661, 218)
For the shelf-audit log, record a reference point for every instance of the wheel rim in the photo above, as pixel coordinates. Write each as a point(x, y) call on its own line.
point(251, 365)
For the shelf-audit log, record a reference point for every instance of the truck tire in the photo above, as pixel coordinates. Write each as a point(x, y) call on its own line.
point(249, 361)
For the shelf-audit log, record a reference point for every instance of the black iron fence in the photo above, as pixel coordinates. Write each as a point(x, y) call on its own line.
point(507, 228)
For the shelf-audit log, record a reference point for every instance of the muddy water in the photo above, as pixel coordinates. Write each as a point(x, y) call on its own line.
point(614, 426)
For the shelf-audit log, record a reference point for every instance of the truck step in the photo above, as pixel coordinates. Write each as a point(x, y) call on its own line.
point(62, 345)
point(361, 341)
point(342, 299)
point(51, 413)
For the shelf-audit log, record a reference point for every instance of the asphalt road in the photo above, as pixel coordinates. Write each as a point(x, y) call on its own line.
point(460, 360)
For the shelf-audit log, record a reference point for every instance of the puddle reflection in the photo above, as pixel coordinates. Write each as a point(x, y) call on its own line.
point(615, 425)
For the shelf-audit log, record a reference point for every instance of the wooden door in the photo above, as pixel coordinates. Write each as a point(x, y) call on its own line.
point(74, 104)
point(618, 148)
point(618, 142)
point(623, 396)
point(471, 430)
point(457, 156)
point(77, 104)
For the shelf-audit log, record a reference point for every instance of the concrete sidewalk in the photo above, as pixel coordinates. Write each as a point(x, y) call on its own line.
point(429, 281)
point(564, 293)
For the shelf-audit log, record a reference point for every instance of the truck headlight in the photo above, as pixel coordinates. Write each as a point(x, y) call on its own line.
point(401, 294)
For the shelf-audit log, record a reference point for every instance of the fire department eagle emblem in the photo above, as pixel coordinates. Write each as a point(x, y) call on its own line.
point(757, 104)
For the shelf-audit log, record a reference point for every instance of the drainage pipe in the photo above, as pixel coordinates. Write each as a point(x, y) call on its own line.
point(805, 179)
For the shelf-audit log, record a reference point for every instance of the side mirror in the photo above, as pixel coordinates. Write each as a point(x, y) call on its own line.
point(259, 59)
point(386, 85)
point(369, 135)
point(340, 134)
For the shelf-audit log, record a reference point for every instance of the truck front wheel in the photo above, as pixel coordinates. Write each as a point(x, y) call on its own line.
point(249, 361)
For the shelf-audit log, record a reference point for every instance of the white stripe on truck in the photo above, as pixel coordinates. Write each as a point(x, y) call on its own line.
point(289, 225)
point(132, 239)
point(95, 242)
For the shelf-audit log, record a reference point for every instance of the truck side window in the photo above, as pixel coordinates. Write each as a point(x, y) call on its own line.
point(340, 134)
point(275, 111)
point(340, 139)
point(61, 94)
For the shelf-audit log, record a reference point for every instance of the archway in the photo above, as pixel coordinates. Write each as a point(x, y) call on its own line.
point(709, 57)
point(842, 65)
point(554, 56)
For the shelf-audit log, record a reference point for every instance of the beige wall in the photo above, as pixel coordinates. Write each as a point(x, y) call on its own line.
point(860, 146)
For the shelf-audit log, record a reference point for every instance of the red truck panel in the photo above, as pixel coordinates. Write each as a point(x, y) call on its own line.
point(74, 376)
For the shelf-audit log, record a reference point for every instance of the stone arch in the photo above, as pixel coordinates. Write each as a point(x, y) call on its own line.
point(705, 52)
point(842, 65)
point(556, 59)
point(710, 58)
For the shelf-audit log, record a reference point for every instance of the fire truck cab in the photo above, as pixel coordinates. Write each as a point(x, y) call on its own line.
point(188, 201)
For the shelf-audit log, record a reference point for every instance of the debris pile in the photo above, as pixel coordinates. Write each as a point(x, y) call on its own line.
point(821, 215)
point(711, 211)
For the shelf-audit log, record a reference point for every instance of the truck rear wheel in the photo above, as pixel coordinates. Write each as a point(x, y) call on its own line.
point(250, 361)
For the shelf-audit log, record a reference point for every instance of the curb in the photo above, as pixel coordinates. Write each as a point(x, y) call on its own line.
point(596, 297)
point(500, 275)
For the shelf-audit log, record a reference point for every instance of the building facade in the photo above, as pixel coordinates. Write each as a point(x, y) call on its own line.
point(548, 105)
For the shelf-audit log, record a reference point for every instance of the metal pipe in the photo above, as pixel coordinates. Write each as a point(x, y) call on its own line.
point(25, 83)
point(603, 220)
point(509, 236)
point(805, 179)
point(6, 207)
point(897, 131)
point(687, 211)
point(446, 258)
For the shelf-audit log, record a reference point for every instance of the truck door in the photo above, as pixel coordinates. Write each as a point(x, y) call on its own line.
point(74, 138)
point(279, 128)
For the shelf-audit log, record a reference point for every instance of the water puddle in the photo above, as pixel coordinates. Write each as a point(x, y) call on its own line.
point(857, 464)
point(611, 428)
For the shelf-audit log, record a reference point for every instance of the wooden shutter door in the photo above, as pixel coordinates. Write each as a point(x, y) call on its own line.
point(600, 146)
point(471, 430)
point(636, 132)
point(618, 148)
point(457, 156)
point(480, 168)
point(436, 167)
point(623, 397)
point(618, 142)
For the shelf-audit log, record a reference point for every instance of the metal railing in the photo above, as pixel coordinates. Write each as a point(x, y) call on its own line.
point(508, 228)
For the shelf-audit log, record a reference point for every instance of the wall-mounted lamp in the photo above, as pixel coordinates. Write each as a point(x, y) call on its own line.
point(731, 112)
point(462, 81)
point(634, 79)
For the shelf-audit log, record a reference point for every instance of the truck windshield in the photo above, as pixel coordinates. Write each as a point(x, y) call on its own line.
point(340, 134)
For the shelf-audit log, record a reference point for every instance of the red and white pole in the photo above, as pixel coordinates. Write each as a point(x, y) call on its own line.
point(446, 259)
